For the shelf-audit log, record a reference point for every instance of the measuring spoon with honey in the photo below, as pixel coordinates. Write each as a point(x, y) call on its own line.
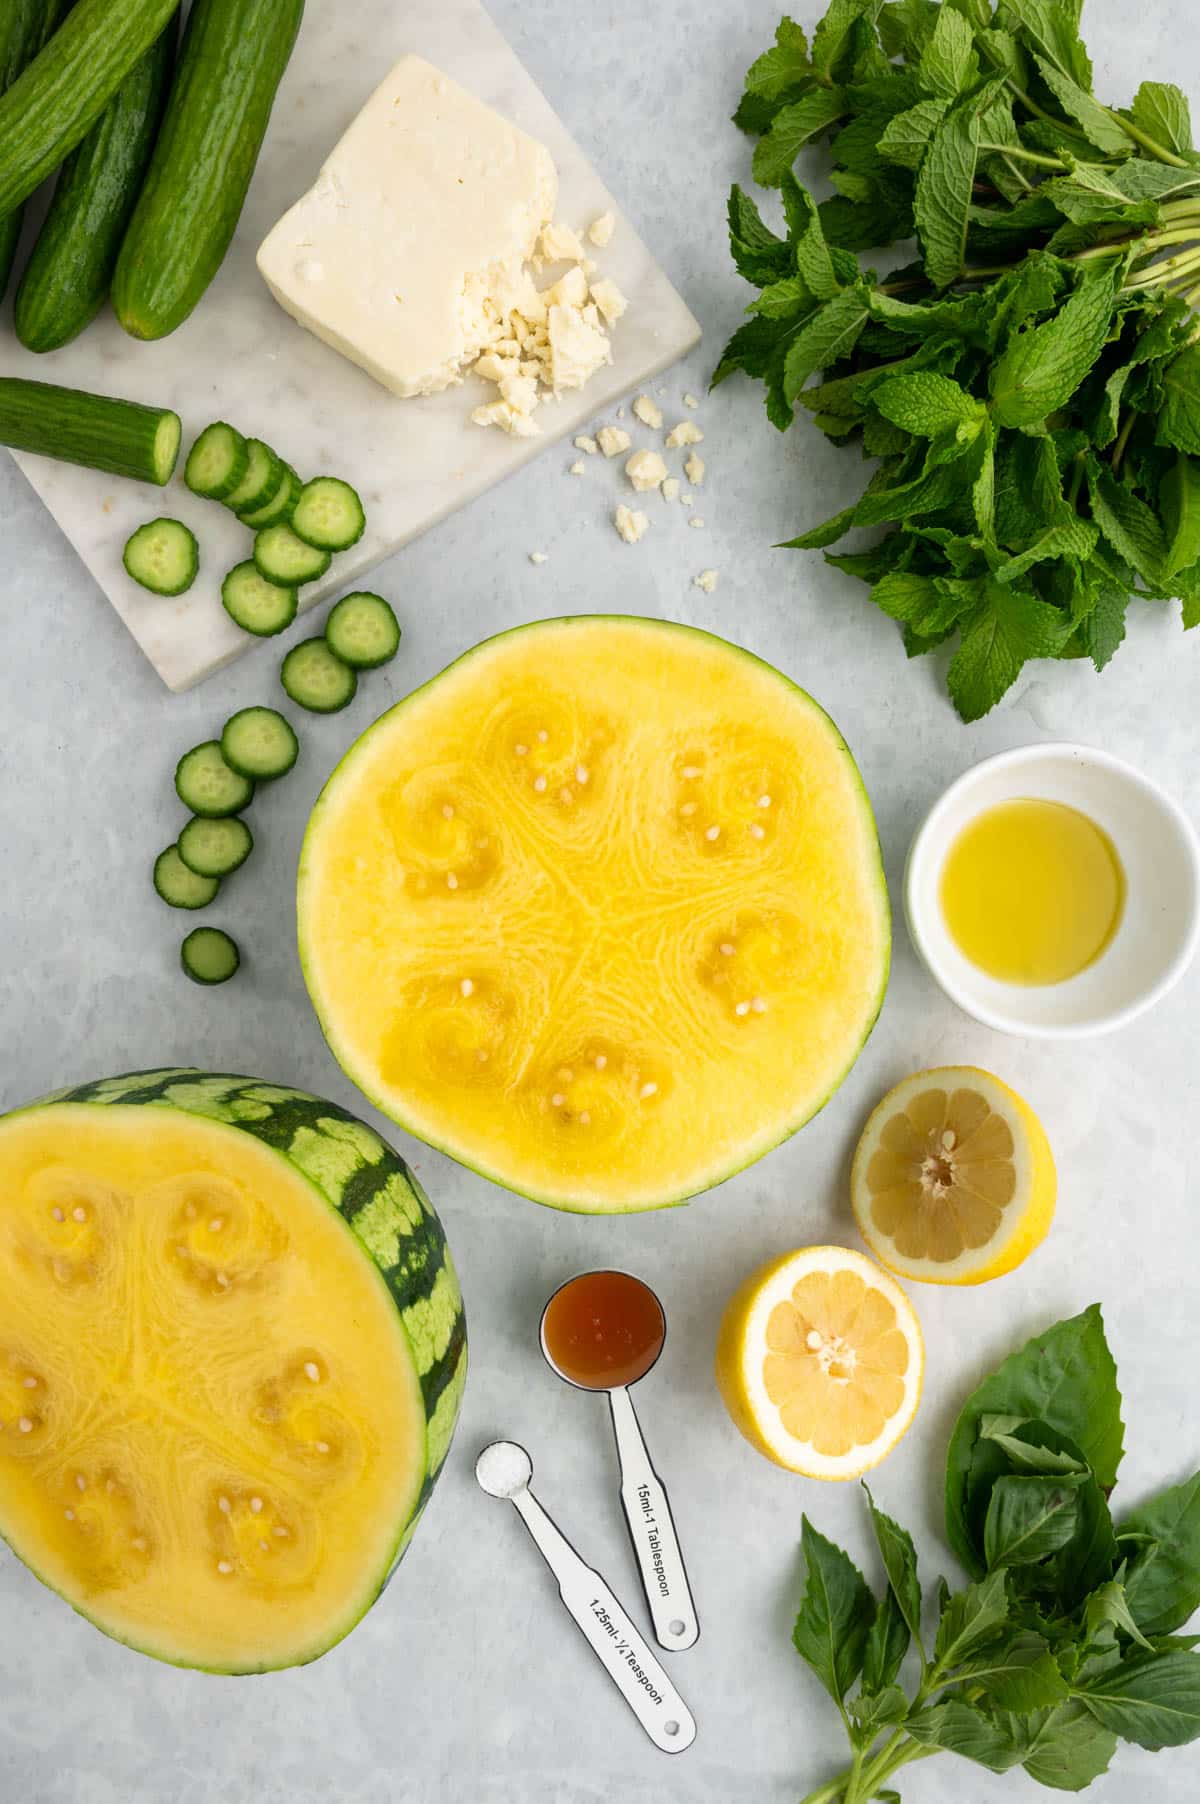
point(603, 1331)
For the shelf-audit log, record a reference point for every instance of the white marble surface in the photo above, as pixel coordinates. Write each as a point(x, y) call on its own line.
point(241, 357)
point(465, 1683)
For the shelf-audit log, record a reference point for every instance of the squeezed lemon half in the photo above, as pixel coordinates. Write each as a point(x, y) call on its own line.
point(953, 1180)
point(820, 1362)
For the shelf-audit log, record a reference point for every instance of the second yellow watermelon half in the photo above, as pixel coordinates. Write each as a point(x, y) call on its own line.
point(599, 911)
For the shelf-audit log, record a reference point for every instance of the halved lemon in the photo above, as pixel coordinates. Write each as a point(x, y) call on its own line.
point(953, 1181)
point(819, 1362)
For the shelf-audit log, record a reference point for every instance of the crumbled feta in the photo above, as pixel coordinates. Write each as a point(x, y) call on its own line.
point(686, 433)
point(502, 413)
point(695, 520)
point(584, 443)
point(578, 468)
point(685, 500)
point(537, 557)
point(645, 470)
point(601, 230)
point(648, 412)
point(569, 291)
point(707, 580)
point(612, 440)
point(620, 413)
point(559, 244)
point(690, 401)
point(694, 469)
point(610, 300)
point(631, 523)
point(670, 489)
point(577, 348)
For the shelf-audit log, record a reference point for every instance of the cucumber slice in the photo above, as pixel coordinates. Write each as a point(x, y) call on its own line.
point(362, 630)
point(259, 743)
point(163, 556)
point(179, 887)
point(260, 481)
point(258, 606)
point(205, 784)
point(216, 462)
point(209, 956)
point(329, 514)
point(283, 557)
point(280, 505)
point(215, 848)
point(317, 679)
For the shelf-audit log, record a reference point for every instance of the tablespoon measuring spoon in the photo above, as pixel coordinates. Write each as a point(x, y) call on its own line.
point(603, 1331)
point(504, 1470)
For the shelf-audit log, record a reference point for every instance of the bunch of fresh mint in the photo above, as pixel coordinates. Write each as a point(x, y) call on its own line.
point(1030, 386)
point(1064, 1643)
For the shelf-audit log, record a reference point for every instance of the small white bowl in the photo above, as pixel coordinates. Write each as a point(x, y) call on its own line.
point(1160, 925)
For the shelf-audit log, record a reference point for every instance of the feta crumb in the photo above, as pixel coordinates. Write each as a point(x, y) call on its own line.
point(620, 413)
point(686, 433)
point(648, 412)
point(707, 580)
point(559, 244)
point(520, 392)
point(612, 440)
point(577, 468)
point(584, 443)
point(685, 500)
point(694, 469)
point(695, 520)
point(690, 401)
point(570, 291)
point(537, 557)
point(609, 299)
point(577, 348)
point(500, 413)
point(491, 367)
point(631, 523)
point(601, 230)
point(645, 470)
point(670, 488)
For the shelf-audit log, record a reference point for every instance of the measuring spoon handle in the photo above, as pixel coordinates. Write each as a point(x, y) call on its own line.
point(621, 1650)
point(652, 1530)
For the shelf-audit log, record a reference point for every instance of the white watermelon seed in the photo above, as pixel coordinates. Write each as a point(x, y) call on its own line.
point(312, 1371)
point(451, 880)
point(467, 987)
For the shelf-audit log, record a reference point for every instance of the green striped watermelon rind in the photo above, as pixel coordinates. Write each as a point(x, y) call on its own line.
point(360, 1176)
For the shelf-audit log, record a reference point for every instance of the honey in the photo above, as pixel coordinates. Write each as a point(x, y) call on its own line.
point(603, 1329)
point(1032, 891)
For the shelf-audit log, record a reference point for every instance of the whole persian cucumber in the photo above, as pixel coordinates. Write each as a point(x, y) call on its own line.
point(25, 25)
point(67, 278)
point(232, 61)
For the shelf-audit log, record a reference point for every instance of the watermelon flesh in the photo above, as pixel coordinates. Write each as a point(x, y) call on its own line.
point(232, 1349)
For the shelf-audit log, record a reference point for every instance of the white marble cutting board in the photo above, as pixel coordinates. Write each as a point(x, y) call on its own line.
point(241, 358)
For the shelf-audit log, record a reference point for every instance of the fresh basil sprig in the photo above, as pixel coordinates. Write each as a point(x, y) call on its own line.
point(1065, 1641)
point(1031, 383)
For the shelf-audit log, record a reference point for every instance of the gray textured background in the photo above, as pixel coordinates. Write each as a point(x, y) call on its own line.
point(466, 1682)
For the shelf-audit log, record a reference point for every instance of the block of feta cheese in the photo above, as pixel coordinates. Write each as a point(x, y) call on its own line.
point(412, 242)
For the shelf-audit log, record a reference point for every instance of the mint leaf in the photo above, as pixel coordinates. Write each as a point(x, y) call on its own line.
point(1179, 416)
point(1070, 1749)
point(1066, 1378)
point(1073, 538)
point(900, 1564)
point(1162, 112)
point(1095, 121)
point(971, 1618)
point(817, 537)
point(784, 299)
point(949, 64)
point(1103, 629)
point(833, 33)
point(1010, 626)
point(835, 1614)
point(906, 136)
point(830, 334)
point(749, 349)
point(1162, 1585)
point(809, 252)
point(783, 66)
point(1131, 528)
point(1151, 1699)
point(760, 256)
point(945, 188)
point(1053, 25)
point(1179, 502)
point(926, 403)
point(1029, 1518)
point(793, 127)
point(1044, 365)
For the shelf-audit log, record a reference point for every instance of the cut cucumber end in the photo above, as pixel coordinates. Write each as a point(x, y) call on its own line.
point(178, 886)
point(209, 955)
point(165, 454)
point(206, 784)
point(317, 679)
point(363, 631)
point(259, 743)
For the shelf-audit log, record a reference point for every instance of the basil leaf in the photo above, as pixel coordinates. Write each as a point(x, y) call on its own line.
point(900, 1564)
point(793, 127)
point(878, 1710)
point(963, 1728)
point(835, 1614)
point(1066, 1378)
point(1070, 1749)
point(1152, 1699)
point(1108, 1604)
point(1029, 1518)
point(1019, 1673)
point(972, 1617)
point(886, 1645)
point(1162, 1585)
point(1042, 367)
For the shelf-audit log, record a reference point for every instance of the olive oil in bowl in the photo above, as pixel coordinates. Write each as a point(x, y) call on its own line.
point(1032, 891)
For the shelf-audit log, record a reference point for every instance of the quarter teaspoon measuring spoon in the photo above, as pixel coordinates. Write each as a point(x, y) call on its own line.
point(603, 1331)
point(504, 1469)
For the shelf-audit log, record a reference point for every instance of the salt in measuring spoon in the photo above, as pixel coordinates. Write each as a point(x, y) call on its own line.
point(603, 1331)
point(504, 1470)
